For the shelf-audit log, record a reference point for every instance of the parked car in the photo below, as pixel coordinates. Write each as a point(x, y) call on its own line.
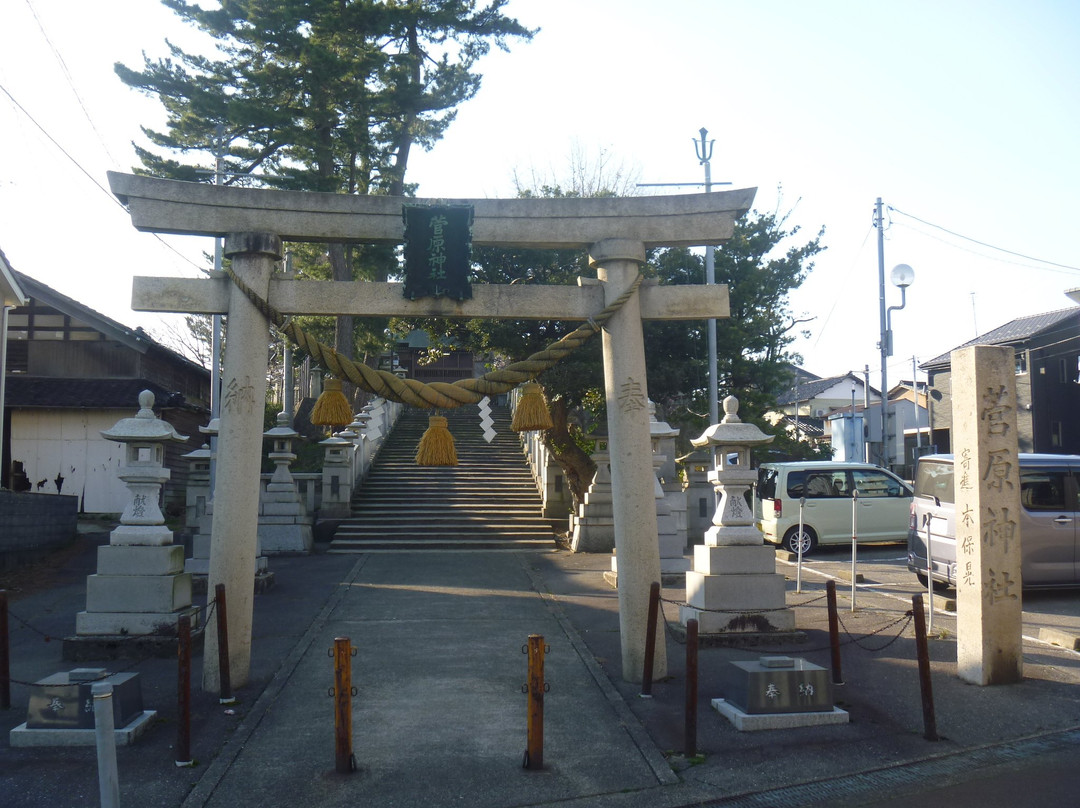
point(1049, 521)
point(883, 503)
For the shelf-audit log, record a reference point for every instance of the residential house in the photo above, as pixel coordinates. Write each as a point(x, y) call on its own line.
point(71, 373)
point(1046, 360)
point(805, 409)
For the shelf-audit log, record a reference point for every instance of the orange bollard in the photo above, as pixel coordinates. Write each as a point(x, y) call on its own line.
point(534, 751)
point(343, 753)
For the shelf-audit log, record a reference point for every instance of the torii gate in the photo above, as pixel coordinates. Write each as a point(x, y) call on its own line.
point(254, 222)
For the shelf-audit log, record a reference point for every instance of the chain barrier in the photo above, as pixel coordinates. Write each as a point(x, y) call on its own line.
point(136, 662)
point(736, 640)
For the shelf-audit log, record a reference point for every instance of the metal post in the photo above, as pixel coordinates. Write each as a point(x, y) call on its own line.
point(183, 692)
point(930, 571)
point(225, 695)
point(690, 722)
point(650, 640)
point(534, 751)
point(105, 734)
point(704, 155)
point(798, 567)
point(854, 541)
point(834, 632)
point(925, 685)
point(343, 753)
point(5, 654)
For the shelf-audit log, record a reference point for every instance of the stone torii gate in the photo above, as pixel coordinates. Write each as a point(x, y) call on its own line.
point(255, 222)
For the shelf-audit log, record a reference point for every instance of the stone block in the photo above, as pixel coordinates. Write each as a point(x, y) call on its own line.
point(744, 722)
point(725, 535)
point(742, 592)
point(154, 535)
point(766, 621)
point(128, 623)
point(150, 594)
point(115, 559)
point(65, 701)
point(285, 538)
point(759, 686)
point(710, 560)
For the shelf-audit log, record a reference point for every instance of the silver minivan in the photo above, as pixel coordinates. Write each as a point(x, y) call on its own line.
point(826, 490)
point(1049, 520)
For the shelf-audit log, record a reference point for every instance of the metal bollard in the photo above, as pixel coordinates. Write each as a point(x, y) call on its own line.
point(925, 685)
point(344, 762)
point(690, 723)
point(834, 632)
point(536, 687)
point(650, 641)
point(854, 542)
point(183, 692)
point(5, 654)
point(225, 696)
point(105, 731)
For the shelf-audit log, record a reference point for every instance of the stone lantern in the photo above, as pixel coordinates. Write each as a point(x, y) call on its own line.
point(140, 586)
point(734, 586)
point(283, 523)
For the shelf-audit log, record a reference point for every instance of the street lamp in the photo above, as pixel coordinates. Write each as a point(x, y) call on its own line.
point(902, 276)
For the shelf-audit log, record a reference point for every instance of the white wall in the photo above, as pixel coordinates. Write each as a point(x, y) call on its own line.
point(49, 442)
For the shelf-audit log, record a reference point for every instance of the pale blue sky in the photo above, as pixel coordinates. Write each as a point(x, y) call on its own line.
point(962, 114)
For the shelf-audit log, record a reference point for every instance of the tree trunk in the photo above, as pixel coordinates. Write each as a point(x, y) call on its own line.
point(578, 468)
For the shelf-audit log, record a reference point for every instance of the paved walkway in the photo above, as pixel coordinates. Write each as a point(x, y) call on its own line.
point(440, 719)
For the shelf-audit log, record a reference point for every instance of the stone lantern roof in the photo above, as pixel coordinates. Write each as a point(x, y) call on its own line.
point(145, 426)
point(731, 431)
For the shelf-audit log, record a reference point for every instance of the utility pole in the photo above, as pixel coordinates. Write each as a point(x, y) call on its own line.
point(884, 343)
point(215, 320)
point(703, 150)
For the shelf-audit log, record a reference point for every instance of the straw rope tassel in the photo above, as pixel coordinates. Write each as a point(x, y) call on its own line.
point(437, 444)
point(332, 408)
point(532, 409)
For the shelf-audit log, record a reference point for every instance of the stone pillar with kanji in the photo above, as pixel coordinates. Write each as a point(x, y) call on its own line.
point(987, 493)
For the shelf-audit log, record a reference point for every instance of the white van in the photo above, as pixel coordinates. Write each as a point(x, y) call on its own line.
point(883, 505)
point(1049, 520)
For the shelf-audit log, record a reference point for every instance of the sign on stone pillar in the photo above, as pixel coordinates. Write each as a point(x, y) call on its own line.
point(987, 493)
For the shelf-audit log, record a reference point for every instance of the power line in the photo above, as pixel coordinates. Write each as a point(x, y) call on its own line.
point(86, 173)
point(71, 83)
point(984, 244)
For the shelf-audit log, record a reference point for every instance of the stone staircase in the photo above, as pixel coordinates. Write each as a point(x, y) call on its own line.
point(489, 501)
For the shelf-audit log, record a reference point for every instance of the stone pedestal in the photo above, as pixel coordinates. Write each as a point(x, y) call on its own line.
point(699, 495)
point(140, 587)
point(734, 586)
point(594, 523)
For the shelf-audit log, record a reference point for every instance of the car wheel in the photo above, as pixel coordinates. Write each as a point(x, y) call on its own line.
point(808, 540)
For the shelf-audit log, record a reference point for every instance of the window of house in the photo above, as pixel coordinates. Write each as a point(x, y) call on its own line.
point(1056, 434)
point(1021, 363)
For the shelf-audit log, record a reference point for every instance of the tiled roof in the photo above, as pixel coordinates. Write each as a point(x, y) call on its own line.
point(810, 390)
point(1017, 331)
point(38, 392)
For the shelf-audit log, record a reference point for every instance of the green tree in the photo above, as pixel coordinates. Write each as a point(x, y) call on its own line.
point(318, 95)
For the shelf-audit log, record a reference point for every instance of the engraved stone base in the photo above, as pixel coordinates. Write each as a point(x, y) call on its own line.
point(745, 722)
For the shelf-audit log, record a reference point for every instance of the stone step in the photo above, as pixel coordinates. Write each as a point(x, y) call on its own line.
point(489, 501)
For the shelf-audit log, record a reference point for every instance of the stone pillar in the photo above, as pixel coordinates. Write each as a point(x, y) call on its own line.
point(617, 262)
point(700, 498)
point(987, 484)
point(234, 534)
point(336, 474)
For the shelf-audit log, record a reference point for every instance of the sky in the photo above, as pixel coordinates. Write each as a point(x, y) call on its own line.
point(961, 116)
